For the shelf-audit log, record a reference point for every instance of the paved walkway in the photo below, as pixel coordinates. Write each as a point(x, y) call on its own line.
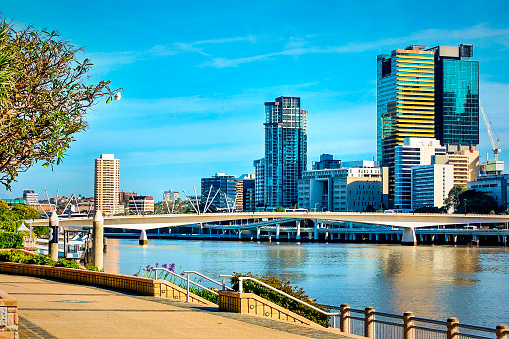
point(50, 309)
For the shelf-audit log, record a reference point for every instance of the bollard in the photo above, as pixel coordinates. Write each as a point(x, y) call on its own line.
point(53, 241)
point(408, 324)
point(369, 322)
point(344, 318)
point(98, 238)
point(452, 329)
point(502, 331)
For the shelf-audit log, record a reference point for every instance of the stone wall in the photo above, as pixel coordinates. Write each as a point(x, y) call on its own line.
point(250, 303)
point(8, 316)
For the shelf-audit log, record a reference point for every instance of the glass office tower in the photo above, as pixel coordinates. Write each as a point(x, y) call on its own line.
point(405, 102)
point(456, 95)
point(285, 151)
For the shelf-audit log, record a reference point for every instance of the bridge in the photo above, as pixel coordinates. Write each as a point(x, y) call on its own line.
point(408, 221)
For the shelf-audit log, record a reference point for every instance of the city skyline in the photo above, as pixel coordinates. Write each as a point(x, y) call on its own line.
point(195, 87)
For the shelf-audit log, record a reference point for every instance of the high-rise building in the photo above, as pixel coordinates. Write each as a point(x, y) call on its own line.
point(456, 95)
point(431, 185)
point(106, 184)
point(414, 152)
point(224, 186)
point(342, 189)
point(285, 151)
point(259, 198)
point(405, 102)
point(245, 193)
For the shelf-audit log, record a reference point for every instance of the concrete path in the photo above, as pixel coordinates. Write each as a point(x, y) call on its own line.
point(50, 309)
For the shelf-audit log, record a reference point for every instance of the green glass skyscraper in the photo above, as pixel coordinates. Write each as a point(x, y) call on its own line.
point(456, 96)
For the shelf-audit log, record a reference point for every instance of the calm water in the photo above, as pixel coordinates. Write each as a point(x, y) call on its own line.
point(471, 283)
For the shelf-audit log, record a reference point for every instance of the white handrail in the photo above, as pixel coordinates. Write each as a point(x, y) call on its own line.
point(208, 278)
point(289, 296)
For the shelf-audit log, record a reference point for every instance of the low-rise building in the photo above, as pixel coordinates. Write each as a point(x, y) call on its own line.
point(342, 189)
point(494, 186)
point(465, 160)
point(141, 204)
point(31, 197)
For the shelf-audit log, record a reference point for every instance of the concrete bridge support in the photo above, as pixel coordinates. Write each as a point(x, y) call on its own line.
point(298, 229)
point(258, 233)
point(278, 229)
point(377, 237)
point(143, 238)
point(315, 235)
point(409, 237)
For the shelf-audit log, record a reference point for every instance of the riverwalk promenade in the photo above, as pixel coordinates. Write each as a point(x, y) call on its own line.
point(52, 309)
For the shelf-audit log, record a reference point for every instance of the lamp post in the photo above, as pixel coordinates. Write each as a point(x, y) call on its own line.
point(315, 206)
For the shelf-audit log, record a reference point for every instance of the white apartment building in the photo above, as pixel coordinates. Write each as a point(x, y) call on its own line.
point(31, 198)
point(431, 185)
point(106, 184)
point(341, 189)
point(413, 152)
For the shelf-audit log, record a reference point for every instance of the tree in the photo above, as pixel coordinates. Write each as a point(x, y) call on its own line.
point(279, 209)
point(453, 199)
point(475, 202)
point(25, 212)
point(44, 98)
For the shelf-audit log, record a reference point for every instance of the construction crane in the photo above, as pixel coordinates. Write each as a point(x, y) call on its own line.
point(496, 149)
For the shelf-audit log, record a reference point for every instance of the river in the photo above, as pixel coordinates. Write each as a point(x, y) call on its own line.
point(470, 283)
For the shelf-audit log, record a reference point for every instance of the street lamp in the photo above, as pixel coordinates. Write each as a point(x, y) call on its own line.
point(315, 206)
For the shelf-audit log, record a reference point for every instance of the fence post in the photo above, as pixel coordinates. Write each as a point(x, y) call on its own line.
point(408, 324)
point(502, 331)
point(452, 329)
point(369, 322)
point(187, 296)
point(344, 318)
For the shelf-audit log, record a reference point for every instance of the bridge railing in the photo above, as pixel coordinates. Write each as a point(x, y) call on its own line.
point(378, 325)
point(331, 314)
point(189, 282)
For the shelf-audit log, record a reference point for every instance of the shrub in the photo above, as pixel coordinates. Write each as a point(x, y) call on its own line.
point(250, 286)
point(94, 268)
point(11, 240)
point(62, 262)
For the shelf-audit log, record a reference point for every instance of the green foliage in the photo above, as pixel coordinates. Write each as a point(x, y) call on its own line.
point(250, 286)
point(23, 258)
point(279, 209)
point(475, 202)
point(44, 98)
point(11, 240)
point(94, 268)
point(25, 212)
point(62, 262)
point(453, 197)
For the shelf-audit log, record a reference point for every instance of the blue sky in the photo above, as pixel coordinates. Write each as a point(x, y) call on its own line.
point(196, 74)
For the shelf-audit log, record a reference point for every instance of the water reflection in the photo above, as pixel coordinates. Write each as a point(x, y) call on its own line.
point(432, 281)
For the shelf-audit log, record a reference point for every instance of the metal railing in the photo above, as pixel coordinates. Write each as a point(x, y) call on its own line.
point(331, 314)
point(379, 325)
point(190, 282)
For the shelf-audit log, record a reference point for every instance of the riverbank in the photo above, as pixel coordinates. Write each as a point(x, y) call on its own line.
point(50, 309)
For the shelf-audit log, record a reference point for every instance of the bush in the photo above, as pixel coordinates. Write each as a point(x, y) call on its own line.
point(11, 240)
point(62, 262)
point(250, 286)
point(94, 268)
point(36, 259)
